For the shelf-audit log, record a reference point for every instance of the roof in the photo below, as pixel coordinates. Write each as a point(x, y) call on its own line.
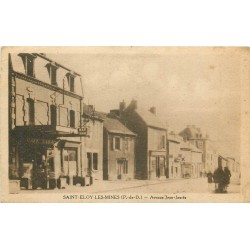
point(174, 138)
point(150, 119)
point(193, 132)
point(115, 126)
point(89, 112)
point(190, 147)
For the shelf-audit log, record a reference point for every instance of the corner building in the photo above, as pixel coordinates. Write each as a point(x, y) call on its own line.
point(45, 124)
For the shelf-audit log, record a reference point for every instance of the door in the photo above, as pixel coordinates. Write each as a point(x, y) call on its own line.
point(70, 162)
point(162, 166)
point(122, 168)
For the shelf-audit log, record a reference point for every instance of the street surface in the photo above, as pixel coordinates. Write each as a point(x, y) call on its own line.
point(195, 189)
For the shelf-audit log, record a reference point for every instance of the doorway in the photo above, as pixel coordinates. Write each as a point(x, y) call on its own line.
point(122, 168)
point(70, 163)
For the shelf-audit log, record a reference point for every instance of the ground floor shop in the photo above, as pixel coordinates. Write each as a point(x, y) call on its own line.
point(47, 162)
point(120, 168)
point(190, 170)
point(157, 165)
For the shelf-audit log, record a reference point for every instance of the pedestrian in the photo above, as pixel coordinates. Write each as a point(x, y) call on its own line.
point(227, 176)
point(219, 180)
point(209, 180)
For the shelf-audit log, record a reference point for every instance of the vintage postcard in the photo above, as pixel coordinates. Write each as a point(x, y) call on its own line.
point(125, 124)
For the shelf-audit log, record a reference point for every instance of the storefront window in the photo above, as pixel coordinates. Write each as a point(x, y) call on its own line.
point(72, 155)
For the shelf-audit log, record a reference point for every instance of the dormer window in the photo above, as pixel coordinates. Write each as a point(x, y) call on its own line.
point(71, 81)
point(28, 62)
point(52, 68)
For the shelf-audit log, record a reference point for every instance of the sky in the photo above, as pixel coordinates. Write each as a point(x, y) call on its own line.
point(195, 86)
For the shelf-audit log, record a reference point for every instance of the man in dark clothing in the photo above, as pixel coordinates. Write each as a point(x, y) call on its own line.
point(219, 180)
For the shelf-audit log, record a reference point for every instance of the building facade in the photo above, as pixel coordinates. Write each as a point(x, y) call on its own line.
point(92, 144)
point(174, 156)
point(209, 154)
point(45, 123)
point(151, 134)
point(118, 150)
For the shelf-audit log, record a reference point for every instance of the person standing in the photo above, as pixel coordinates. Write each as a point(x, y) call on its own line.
point(227, 176)
point(219, 180)
point(209, 180)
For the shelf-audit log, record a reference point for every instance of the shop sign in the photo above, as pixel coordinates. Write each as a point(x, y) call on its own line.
point(39, 141)
point(83, 131)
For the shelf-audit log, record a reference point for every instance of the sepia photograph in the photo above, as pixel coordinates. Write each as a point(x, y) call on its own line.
point(125, 124)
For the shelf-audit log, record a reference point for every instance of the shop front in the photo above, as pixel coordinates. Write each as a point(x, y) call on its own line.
point(46, 163)
point(157, 165)
point(36, 162)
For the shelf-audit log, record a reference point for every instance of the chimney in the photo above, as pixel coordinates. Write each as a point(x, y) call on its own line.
point(90, 108)
point(133, 104)
point(122, 105)
point(153, 110)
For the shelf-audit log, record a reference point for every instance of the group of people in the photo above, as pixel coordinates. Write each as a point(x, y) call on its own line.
point(221, 178)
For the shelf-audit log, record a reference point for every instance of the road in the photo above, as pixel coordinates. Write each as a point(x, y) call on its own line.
point(197, 190)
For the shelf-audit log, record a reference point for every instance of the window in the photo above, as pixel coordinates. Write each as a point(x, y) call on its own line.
point(52, 68)
point(162, 141)
point(89, 157)
point(31, 111)
point(117, 143)
point(72, 84)
point(72, 118)
point(30, 66)
point(28, 61)
point(71, 81)
point(53, 115)
point(95, 161)
point(70, 155)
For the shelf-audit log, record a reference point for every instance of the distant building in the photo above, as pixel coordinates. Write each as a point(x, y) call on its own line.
point(209, 155)
point(234, 168)
point(222, 161)
point(150, 150)
point(174, 156)
point(118, 150)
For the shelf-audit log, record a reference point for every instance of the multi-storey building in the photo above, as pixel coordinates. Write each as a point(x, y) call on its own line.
point(184, 159)
point(45, 127)
point(209, 155)
point(150, 150)
point(118, 150)
point(92, 144)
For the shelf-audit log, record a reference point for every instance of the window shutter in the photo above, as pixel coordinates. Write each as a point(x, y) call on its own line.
point(113, 144)
point(121, 142)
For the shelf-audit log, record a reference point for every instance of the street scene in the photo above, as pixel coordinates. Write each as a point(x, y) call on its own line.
point(123, 123)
